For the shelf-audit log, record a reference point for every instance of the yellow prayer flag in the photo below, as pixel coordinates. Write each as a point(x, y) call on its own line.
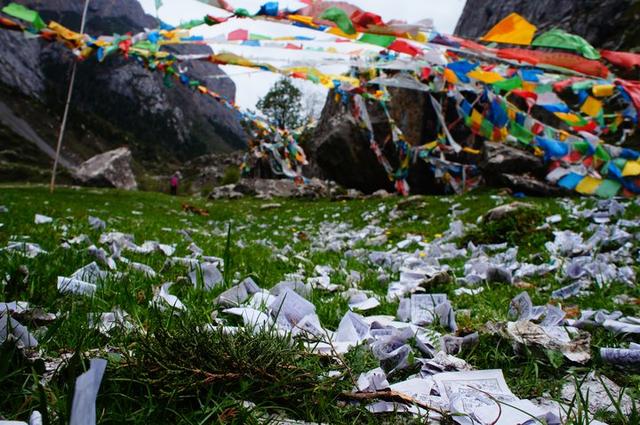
point(605, 90)
point(307, 20)
point(476, 118)
point(337, 31)
point(471, 151)
point(485, 76)
point(588, 185)
point(568, 117)
point(64, 32)
point(592, 107)
point(631, 168)
point(514, 29)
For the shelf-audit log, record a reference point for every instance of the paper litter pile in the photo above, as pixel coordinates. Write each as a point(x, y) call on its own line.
point(423, 342)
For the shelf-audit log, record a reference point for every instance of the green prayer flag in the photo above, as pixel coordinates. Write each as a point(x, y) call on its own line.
point(608, 189)
point(192, 24)
point(23, 13)
point(486, 129)
point(559, 39)
point(602, 154)
point(582, 146)
point(544, 88)
point(259, 37)
point(377, 40)
point(519, 132)
point(242, 12)
point(340, 18)
point(158, 4)
point(582, 85)
point(508, 85)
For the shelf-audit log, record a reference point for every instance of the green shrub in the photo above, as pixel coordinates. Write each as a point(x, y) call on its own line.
point(231, 175)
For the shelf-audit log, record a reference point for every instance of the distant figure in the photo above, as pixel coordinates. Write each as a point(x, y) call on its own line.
point(174, 182)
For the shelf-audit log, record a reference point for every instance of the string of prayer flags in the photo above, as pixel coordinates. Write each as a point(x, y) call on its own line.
point(559, 39)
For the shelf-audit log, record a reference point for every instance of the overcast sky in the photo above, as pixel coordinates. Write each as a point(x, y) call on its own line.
point(251, 85)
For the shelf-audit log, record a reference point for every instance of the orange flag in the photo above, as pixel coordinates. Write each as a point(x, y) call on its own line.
point(513, 29)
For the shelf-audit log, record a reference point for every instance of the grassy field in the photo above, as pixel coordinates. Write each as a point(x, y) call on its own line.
point(171, 369)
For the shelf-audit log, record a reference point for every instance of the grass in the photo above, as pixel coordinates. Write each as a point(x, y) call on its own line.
point(174, 369)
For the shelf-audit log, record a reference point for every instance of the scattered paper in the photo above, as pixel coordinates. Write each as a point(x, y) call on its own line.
point(83, 409)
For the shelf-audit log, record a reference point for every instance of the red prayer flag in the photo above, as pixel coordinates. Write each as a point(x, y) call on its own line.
point(238, 35)
point(622, 59)
point(565, 60)
point(364, 19)
point(633, 90)
point(404, 47)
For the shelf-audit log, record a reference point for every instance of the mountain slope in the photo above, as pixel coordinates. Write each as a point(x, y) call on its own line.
point(115, 103)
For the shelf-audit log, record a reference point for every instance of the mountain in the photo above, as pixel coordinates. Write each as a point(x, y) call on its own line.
point(610, 24)
point(115, 103)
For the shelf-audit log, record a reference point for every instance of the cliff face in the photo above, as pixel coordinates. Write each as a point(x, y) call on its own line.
point(610, 24)
point(115, 103)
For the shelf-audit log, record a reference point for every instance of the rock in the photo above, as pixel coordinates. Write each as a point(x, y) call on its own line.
point(383, 194)
point(500, 158)
point(109, 169)
point(503, 211)
point(531, 185)
point(225, 192)
point(273, 188)
point(340, 149)
point(516, 169)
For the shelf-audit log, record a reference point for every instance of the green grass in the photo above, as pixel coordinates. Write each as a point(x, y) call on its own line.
point(171, 369)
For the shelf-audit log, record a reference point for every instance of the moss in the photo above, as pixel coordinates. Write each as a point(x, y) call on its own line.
point(518, 227)
point(231, 175)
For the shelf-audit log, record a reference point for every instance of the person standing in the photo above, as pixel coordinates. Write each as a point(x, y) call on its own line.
point(174, 183)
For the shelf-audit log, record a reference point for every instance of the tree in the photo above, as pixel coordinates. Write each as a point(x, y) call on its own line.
point(283, 105)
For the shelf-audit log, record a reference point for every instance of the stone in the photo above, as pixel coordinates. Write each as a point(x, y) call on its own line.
point(225, 192)
point(109, 169)
point(340, 149)
point(503, 211)
point(500, 158)
point(274, 188)
point(530, 185)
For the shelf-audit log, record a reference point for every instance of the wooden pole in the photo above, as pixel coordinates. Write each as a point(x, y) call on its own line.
point(65, 115)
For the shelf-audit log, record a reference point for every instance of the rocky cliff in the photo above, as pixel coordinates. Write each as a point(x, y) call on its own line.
point(611, 24)
point(115, 103)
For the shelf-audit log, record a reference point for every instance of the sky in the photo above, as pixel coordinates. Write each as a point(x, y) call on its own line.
point(252, 85)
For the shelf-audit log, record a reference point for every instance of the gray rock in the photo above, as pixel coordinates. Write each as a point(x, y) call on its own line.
point(503, 211)
point(109, 169)
point(531, 185)
point(273, 188)
point(500, 158)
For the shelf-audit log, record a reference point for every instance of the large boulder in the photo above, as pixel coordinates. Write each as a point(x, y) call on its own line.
point(340, 149)
point(109, 169)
